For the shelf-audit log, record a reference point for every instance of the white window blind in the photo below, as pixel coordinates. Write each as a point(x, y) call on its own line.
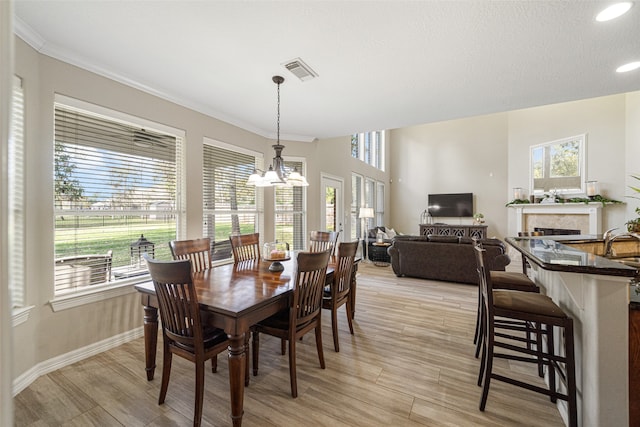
point(16, 196)
point(380, 203)
point(290, 211)
point(230, 206)
point(117, 195)
point(370, 200)
point(356, 203)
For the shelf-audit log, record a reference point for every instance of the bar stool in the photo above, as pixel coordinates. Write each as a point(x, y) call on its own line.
point(526, 308)
point(502, 280)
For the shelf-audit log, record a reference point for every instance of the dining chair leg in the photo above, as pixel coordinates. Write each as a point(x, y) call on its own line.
point(334, 328)
point(292, 367)
point(319, 345)
point(283, 346)
point(166, 373)
point(214, 364)
point(349, 319)
point(255, 350)
point(197, 413)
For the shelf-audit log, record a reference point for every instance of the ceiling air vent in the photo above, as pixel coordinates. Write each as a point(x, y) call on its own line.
point(301, 70)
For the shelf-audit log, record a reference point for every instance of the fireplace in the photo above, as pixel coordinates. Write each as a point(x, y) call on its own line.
point(579, 218)
point(556, 231)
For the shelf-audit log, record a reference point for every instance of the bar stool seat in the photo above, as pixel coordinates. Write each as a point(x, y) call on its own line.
point(513, 280)
point(526, 302)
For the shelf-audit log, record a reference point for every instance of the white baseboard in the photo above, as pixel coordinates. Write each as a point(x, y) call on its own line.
point(42, 368)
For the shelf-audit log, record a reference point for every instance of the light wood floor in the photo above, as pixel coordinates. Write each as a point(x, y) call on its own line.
point(410, 363)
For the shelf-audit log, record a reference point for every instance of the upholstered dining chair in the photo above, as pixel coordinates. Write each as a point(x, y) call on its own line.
point(303, 314)
point(182, 331)
point(245, 247)
point(523, 309)
point(198, 251)
point(323, 240)
point(340, 287)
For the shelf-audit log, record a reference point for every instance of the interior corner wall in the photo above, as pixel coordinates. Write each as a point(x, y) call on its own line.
point(458, 156)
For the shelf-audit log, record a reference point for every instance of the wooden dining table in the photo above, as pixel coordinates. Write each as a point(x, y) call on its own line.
point(233, 297)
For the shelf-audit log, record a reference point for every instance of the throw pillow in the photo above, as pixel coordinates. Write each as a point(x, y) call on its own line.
point(391, 233)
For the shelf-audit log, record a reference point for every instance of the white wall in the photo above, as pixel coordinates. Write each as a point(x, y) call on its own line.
point(489, 156)
point(457, 156)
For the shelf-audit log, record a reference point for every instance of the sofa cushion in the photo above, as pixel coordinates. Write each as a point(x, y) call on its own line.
point(444, 239)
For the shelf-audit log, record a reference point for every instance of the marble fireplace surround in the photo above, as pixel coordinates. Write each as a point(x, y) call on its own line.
point(576, 216)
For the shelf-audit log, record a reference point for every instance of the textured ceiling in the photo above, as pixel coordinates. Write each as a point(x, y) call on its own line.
point(381, 64)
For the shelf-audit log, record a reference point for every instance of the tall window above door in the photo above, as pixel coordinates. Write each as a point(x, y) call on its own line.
point(290, 211)
point(356, 204)
point(369, 147)
point(230, 206)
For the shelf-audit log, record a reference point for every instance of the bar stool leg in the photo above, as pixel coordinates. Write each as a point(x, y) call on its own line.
point(552, 366)
point(571, 373)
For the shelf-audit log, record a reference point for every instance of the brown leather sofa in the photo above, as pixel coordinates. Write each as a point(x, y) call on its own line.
point(447, 258)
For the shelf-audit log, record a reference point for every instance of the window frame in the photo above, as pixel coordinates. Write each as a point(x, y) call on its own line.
point(259, 192)
point(574, 184)
point(99, 292)
point(369, 148)
point(302, 233)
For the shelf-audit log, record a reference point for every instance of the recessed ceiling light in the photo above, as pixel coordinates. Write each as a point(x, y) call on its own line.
point(628, 67)
point(613, 11)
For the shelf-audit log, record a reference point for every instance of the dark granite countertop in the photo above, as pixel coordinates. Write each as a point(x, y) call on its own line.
point(550, 254)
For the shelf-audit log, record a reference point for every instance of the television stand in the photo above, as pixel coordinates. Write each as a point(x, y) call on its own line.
point(475, 231)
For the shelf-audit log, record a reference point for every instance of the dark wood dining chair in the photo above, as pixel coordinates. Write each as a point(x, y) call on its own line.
point(340, 288)
point(245, 247)
point(303, 314)
point(320, 241)
point(182, 331)
point(198, 251)
point(524, 308)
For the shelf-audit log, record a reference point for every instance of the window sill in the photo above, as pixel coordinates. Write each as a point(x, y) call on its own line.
point(21, 315)
point(96, 294)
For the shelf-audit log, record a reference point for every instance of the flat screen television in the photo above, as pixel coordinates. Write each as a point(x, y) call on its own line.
point(451, 205)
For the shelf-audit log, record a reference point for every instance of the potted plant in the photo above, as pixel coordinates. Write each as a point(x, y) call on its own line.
point(633, 226)
point(478, 218)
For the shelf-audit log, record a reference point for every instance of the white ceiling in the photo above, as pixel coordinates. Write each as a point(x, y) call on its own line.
point(381, 64)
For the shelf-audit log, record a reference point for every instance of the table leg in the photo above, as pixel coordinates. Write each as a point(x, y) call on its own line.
point(150, 339)
point(352, 291)
point(237, 368)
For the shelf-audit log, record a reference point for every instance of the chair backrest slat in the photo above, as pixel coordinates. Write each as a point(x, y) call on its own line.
point(344, 268)
point(245, 247)
point(307, 292)
point(177, 301)
point(198, 251)
point(320, 241)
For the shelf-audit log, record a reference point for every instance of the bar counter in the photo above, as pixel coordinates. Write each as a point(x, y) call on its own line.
point(594, 291)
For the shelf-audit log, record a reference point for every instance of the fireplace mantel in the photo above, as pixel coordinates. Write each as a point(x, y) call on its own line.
point(589, 213)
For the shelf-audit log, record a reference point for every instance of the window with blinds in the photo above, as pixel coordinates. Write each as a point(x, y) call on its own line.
point(370, 200)
point(356, 203)
point(380, 203)
point(290, 211)
point(16, 196)
point(117, 195)
point(230, 206)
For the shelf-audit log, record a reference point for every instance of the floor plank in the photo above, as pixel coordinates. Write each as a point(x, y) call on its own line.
point(409, 363)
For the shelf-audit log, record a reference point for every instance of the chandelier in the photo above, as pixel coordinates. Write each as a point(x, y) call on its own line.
point(278, 174)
